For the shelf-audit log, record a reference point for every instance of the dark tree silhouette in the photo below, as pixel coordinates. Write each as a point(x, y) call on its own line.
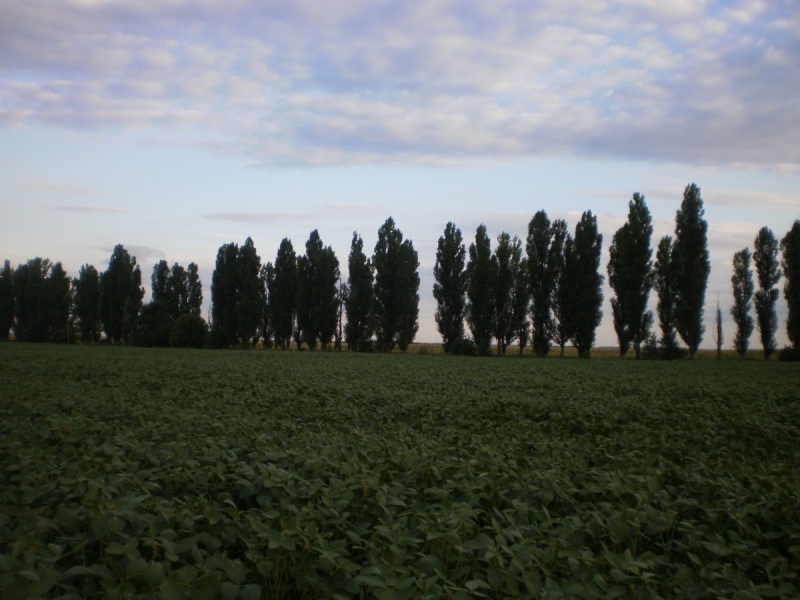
point(692, 268)
point(7, 311)
point(248, 293)
point(743, 288)
point(582, 264)
point(449, 288)
point(360, 298)
point(564, 294)
point(283, 294)
point(318, 274)
point(790, 247)
point(224, 295)
point(504, 327)
point(540, 237)
point(121, 295)
point(87, 303)
point(664, 282)
point(630, 276)
point(768, 274)
point(481, 282)
point(396, 289)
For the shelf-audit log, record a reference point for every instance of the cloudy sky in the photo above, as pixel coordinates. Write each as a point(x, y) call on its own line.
point(175, 126)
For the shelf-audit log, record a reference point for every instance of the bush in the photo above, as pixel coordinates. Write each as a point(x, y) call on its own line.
point(463, 347)
point(215, 340)
point(152, 327)
point(655, 350)
point(189, 331)
point(789, 354)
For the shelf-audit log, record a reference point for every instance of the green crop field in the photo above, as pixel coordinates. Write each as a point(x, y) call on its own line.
point(158, 473)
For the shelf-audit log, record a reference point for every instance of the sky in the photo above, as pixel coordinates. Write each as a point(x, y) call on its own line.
point(176, 126)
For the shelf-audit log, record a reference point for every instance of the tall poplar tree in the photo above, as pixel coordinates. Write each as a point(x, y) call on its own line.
point(540, 237)
point(318, 275)
point(449, 288)
point(692, 268)
point(87, 303)
point(790, 247)
point(504, 327)
point(563, 292)
point(768, 273)
point(360, 299)
point(32, 300)
point(6, 301)
point(248, 294)
point(194, 290)
point(630, 276)
point(60, 305)
point(481, 281)
point(224, 295)
point(520, 295)
point(583, 263)
point(396, 288)
point(283, 294)
point(665, 282)
point(407, 295)
point(121, 294)
point(743, 288)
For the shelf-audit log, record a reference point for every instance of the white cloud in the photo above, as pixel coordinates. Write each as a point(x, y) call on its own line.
point(435, 83)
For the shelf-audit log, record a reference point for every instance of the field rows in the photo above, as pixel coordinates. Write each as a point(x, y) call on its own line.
point(147, 473)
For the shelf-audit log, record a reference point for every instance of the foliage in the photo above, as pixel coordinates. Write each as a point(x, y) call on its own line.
point(248, 293)
point(582, 263)
point(283, 294)
point(481, 283)
point(743, 288)
point(691, 268)
point(630, 276)
point(43, 301)
point(790, 247)
point(224, 295)
point(237, 294)
point(511, 297)
point(7, 311)
point(540, 237)
point(719, 338)
point(396, 300)
point(768, 273)
point(174, 292)
point(463, 347)
point(564, 295)
point(325, 475)
point(360, 299)
point(449, 288)
point(60, 301)
point(317, 306)
point(87, 303)
point(121, 294)
point(665, 282)
point(189, 331)
point(152, 326)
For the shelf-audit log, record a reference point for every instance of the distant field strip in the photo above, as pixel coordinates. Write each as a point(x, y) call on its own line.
point(263, 474)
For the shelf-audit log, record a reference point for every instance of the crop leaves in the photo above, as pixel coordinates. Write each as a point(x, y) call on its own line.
point(149, 473)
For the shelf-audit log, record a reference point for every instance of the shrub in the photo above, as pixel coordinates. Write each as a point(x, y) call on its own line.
point(189, 331)
point(463, 347)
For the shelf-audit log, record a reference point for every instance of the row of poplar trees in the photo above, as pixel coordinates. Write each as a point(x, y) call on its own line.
point(42, 304)
point(303, 299)
point(768, 274)
point(554, 293)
